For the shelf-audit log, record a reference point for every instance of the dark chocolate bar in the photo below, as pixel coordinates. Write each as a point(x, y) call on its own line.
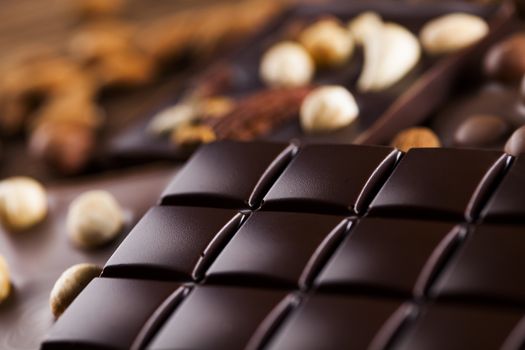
point(275, 246)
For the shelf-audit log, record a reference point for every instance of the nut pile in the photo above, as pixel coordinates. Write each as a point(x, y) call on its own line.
point(23, 203)
point(94, 218)
point(390, 52)
point(52, 95)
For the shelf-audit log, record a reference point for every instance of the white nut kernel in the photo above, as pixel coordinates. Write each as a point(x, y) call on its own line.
point(363, 24)
point(286, 64)
point(452, 32)
point(94, 218)
point(170, 118)
point(23, 202)
point(329, 43)
point(5, 281)
point(328, 108)
point(70, 284)
point(390, 50)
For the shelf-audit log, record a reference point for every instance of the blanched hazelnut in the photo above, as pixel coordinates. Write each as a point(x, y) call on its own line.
point(286, 64)
point(69, 285)
point(363, 25)
point(5, 280)
point(329, 43)
point(328, 108)
point(452, 32)
point(23, 202)
point(94, 218)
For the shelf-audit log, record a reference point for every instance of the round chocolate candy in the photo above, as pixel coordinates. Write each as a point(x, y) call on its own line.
point(516, 142)
point(480, 130)
point(505, 61)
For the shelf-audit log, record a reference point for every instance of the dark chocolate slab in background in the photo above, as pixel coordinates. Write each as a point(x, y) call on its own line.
point(410, 100)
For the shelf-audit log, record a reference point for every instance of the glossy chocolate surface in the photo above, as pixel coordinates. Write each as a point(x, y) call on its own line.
point(311, 277)
point(308, 182)
point(438, 182)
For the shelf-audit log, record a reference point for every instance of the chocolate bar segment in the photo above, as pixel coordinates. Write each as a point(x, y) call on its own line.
point(508, 202)
point(169, 242)
point(334, 322)
point(459, 327)
point(489, 266)
point(331, 178)
point(228, 174)
point(396, 257)
point(439, 183)
point(108, 314)
point(274, 248)
point(216, 318)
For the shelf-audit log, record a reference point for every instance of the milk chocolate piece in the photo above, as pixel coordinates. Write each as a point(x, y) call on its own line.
point(480, 130)
point(506, 60)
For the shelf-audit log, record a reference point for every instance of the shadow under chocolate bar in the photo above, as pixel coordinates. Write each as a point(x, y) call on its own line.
point(381, 114)
point(284, 246)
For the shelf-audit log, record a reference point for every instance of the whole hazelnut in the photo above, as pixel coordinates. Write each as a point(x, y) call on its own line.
point(416, 137)
point(328, 42)
point(69, 285)
point(363, 24)
point(65, 146)
point(23, 202)
point(452, 32)
point(5, 280)
point(506, 60)
point(94, 218)
point(328, 108)
point(286, 64)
